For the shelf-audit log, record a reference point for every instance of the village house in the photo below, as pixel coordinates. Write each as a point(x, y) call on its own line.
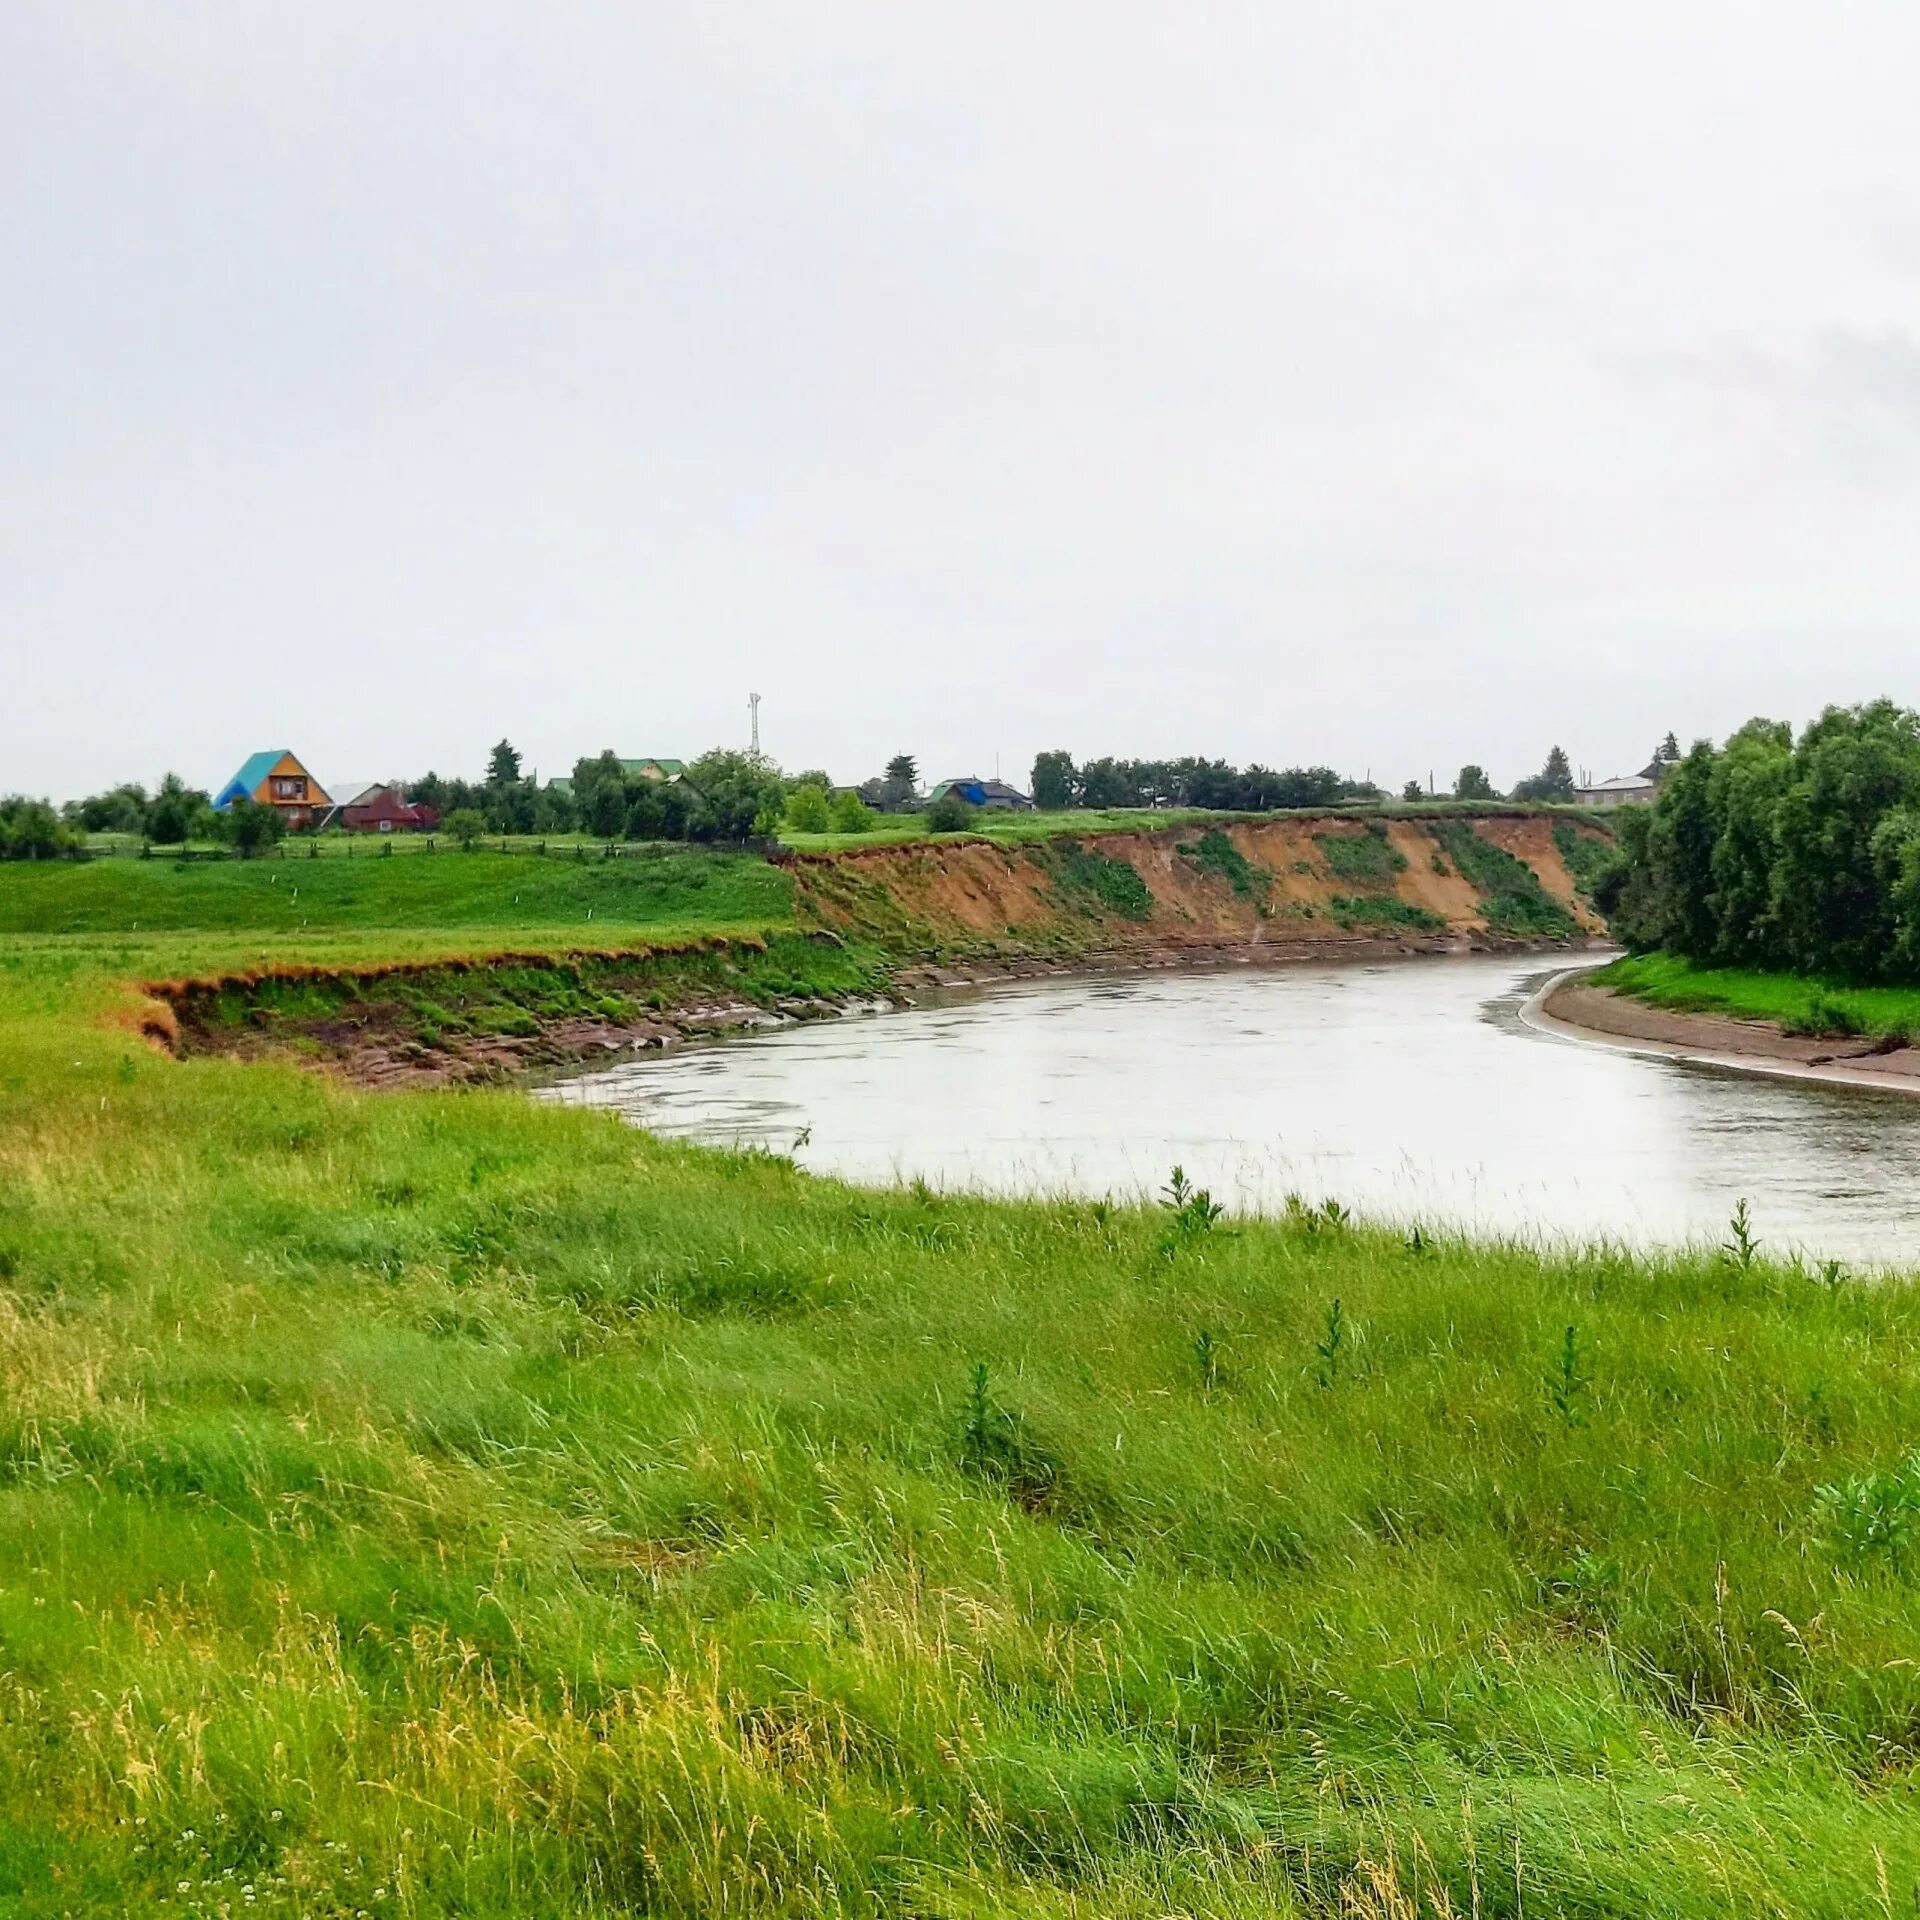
point(669, 771)
point(995, 796)
point(1627, 789)
point(382, 808)
point(276, 779)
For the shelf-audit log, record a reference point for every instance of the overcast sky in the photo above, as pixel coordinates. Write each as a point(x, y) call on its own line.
point(1383, 384)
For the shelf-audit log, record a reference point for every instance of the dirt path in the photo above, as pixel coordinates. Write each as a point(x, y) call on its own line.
point(1575, 1010)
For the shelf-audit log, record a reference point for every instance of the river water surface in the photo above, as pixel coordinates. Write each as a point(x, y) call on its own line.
point(1407, 1089)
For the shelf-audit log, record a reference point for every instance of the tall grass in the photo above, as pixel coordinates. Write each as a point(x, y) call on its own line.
point(1791, 1001)
point(442, 1504)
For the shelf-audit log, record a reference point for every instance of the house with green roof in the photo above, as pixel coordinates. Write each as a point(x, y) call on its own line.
point(667, 770)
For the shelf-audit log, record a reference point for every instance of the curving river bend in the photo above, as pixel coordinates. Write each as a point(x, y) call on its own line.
point(1407, 1089)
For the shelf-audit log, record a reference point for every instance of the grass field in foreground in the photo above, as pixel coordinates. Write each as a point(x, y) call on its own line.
point(442, 1504)
point(1791, 1001)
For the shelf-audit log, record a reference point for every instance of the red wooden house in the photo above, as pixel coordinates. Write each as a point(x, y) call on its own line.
point(383, 809)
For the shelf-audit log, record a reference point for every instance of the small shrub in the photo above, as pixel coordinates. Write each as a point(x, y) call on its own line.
point(1872, 1517)
point(808, 810)
point(1192, 1212)
point(1583, 1591)
point(851, 814)
point(950, 814)
point(465, 826)
point(1329, 1216)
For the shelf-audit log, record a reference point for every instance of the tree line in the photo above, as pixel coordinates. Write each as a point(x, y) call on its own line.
point(725, 795)
point(1780, 853)
point(1059, 784)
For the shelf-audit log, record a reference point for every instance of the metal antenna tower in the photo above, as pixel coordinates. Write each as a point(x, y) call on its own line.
point(753, 707)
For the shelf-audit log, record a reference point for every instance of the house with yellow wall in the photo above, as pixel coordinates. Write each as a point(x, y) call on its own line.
point(276, 779)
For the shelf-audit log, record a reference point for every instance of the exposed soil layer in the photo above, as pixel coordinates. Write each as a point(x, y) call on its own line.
point(1720, 1039)
point(1317, 879)
point(469, 1021)
point(885, 922)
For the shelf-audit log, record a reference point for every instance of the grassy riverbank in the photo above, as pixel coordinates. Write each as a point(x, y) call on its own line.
point(1020, 829)
point(1790, 1001)
point(438, 1504)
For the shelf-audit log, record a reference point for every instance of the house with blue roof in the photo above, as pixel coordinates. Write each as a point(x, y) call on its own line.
point(276, 779)
point(993, 796)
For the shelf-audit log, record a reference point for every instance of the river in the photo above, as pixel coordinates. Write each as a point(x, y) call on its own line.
point(1409, 1090)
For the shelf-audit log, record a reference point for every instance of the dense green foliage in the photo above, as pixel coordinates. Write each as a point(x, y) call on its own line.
point(1554, 781)
point(31, 830)
point(950, 814)
point(1515, 902)
point(1214, 853)
point(808, 809)
point(1587, 855)
point(1114, 884)
point(1471, 783)
point(850, 814)
point(251, 827)
point(724, 796)
point(1385, 911)
point(1775, 853)
point(1364, 859)
point(445, 1505)
point(1211, 785)
point(172, 815)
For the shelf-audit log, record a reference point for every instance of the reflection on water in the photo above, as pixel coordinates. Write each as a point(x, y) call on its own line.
point(1407, 1089)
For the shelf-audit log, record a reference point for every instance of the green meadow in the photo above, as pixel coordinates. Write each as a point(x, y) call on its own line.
point(292, 893)
point(444, 1504)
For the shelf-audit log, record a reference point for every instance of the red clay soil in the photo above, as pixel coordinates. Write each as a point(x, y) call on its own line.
point(977, 890)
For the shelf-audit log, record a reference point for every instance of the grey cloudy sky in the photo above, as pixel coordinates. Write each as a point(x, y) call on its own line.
point(1384, 384)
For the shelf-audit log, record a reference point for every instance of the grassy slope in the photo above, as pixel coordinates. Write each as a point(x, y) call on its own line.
point(443, 1504)
point(1013, 829)
point(1791, 1001)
